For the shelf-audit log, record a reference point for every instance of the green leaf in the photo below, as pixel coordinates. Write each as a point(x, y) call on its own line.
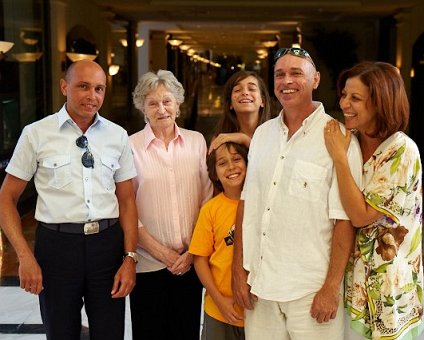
point(416, 241)
point(389, 301)
point(374, 294)
point(420, 293)
point(408, 287)
point(383, 267)
point(417, 167)
point(360, 315)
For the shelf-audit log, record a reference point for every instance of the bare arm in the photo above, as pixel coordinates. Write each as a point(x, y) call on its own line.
point(159, 251)
point(353, 200)
point(241, 290)
point(326, 301)
point(124, 280)
point(29, 271)
point(235, 137)
point(224, 303)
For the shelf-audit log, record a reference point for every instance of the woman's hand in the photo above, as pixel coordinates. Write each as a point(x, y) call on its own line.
point(235, 137)
point(336, 142)
point(182, 265)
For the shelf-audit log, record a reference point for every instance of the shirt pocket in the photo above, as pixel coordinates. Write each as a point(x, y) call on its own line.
point(109, 167)
point(58, 169)
point(307, 181)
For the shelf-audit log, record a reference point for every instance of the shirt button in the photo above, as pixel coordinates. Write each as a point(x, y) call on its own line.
point(282, 157)
point(275, 183)
point(55, 164)
point(86, 179)
point(264, 233)
point(88, 201)
point(268, 209)
point(89, 220)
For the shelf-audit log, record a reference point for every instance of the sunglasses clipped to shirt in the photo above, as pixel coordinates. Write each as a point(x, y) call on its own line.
point(87, 158)
point(296, 51)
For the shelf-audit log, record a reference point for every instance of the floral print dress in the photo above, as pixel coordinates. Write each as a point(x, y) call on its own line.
point(384, 277)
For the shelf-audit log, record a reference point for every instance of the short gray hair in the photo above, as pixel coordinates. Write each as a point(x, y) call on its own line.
point(151, 81)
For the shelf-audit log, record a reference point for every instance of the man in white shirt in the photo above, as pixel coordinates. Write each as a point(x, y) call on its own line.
point(291, 229)
point(87, 220)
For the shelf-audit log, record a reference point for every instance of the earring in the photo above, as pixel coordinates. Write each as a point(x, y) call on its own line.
point(177, 113)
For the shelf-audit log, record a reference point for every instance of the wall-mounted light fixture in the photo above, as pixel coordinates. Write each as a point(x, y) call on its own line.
point(270, 43)
point(138, 42)
point(5, 46)
point(80, 56)
point(184, 48)
point(80, 49)
point(27, 56)
point(174, 42)
point(113, 69)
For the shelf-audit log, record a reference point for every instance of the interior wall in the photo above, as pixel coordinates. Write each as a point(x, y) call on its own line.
point(66, 14)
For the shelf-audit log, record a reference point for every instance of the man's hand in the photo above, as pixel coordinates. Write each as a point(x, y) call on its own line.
point(325, 304)
point(30, 275)
point(241, 290)
point(124, 280)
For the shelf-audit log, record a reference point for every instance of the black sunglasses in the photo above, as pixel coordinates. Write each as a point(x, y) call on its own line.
point(296, 51)
point(87, 158)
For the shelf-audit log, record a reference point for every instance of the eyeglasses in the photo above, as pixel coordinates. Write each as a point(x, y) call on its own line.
point(87, 158)
point(296, 51)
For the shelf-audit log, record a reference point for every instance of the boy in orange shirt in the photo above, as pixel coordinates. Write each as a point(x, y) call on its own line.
point(212, 243)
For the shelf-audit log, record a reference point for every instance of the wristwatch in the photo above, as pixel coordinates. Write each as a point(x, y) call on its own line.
point(133, 255)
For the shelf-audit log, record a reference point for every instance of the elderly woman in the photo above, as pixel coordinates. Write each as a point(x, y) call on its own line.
point(171, 185)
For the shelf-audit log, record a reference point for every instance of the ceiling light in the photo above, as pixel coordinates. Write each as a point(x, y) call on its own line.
point(139, 42)
point(184, 47)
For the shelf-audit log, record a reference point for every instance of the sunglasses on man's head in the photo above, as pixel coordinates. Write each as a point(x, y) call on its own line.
point(87, 158)
point(296, 51)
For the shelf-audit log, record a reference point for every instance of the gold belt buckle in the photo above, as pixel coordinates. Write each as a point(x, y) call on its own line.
point(91, 228)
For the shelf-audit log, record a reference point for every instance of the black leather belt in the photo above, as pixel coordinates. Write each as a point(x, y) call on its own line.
point(88, 228)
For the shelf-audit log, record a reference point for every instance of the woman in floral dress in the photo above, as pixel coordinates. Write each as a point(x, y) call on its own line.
point(384, 278)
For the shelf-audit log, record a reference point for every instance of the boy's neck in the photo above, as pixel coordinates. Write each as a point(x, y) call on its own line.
point(232, 193)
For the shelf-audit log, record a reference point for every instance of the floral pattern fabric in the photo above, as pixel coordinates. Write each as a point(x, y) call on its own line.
point(384, 277)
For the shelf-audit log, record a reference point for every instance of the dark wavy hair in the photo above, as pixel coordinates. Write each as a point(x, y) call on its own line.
point(387, 95)
point(229, 122)
point(211, 162)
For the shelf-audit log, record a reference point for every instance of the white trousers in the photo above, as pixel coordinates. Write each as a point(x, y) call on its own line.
point(271, 320)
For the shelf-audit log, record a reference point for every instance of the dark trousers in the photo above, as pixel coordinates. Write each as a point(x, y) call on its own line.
point(79, 270)
point(166, 306)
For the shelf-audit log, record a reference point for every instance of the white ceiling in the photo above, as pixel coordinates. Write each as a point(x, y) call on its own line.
point(228, 26)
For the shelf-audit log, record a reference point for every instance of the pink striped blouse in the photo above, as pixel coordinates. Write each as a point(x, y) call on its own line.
point(170, 188)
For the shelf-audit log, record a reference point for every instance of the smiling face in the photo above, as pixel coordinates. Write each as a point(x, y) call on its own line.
point(358, 111)
point(84, 87)
point(160, 108)
point(230, 169)
point(246, 96)
point(294, 80)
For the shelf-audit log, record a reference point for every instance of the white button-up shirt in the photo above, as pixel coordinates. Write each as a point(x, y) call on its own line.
point(291, 201)
point(68, 191)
